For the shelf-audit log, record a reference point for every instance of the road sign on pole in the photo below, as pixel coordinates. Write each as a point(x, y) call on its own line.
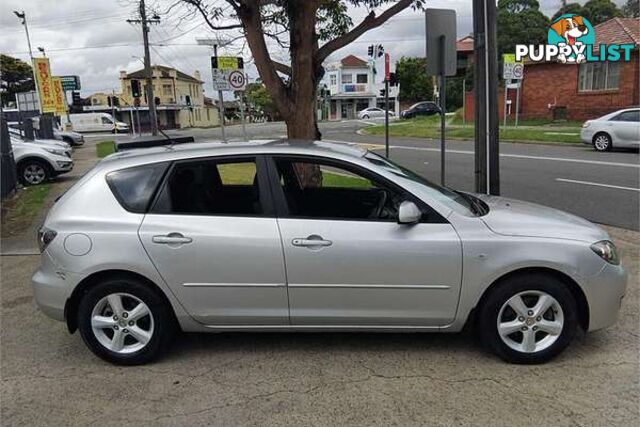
point(70, 82)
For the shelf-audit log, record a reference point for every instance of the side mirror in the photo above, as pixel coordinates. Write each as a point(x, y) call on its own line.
point(408, 213)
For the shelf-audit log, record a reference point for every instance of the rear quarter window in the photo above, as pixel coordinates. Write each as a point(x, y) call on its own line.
point(134, 187)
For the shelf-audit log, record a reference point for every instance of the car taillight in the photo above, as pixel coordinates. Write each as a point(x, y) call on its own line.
point(45, 236)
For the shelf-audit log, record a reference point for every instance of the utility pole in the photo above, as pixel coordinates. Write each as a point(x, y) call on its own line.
point(487, 169)
point(23, 16)
point(153, 115)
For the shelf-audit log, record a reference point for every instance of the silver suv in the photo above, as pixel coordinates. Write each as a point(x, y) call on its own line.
point(312, 237)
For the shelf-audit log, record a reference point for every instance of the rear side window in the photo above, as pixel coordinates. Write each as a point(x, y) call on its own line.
point(134, 187)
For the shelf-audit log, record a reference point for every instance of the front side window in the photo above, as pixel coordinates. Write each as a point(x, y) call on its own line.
point(598, 76)
point(328, 190)
point(627, 116)
point(106, 121)
point(211, 187)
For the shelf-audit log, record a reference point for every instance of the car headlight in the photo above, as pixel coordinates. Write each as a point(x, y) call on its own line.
point(607, 251)
point(55, 151)
point(586, 124)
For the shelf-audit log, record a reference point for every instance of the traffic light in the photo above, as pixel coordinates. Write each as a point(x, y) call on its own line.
point(370, 50)
point(75, 98)
point(187, 100)
point(135, 88)
point(393, 79)
point(156, 100)
point(109, 101)
point(383, 93)
point(116, 101)
point(380, 50)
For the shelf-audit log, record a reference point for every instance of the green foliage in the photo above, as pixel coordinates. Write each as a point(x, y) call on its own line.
point(520, 22)
point(599, 11)
point(16, 77)
point(573, 8)
point(415, 85)
point(259, 99)
point(631, 9)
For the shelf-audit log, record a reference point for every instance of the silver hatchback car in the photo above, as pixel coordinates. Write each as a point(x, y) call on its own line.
point(312, 237)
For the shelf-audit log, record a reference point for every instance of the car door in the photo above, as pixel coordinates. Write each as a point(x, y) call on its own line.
point(212, 235)
point(626, 127)
point(348, 261)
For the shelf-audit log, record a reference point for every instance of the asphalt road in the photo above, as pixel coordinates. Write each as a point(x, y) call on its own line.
point(602, 187)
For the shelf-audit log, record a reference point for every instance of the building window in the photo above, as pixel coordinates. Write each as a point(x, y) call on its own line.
point(361, 78)
point(167, 90)
point(598, 76)
point(333, 79)
point(347, 78)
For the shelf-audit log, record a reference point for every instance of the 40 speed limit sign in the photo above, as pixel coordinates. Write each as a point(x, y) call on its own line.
point(237, 80)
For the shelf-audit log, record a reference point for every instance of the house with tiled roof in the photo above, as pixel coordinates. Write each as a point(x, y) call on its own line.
point(587, 90)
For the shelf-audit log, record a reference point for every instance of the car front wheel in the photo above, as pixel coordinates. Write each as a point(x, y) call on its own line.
point(528, 318)
point(125, 322)
point(602, 142)
point(33, 172)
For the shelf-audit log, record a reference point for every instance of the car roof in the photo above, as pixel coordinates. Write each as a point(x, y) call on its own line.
point(218, 148)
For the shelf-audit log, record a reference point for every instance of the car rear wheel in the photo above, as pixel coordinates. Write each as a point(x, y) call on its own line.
point(33, 172)
point(528, 318)
point(125, 322)
point(366, 116)
point(602, 142)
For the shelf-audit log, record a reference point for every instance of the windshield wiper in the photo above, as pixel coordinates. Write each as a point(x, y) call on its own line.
point(476, 207)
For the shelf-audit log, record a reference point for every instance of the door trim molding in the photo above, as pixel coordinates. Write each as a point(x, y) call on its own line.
point(372, 286)
point(234, 285)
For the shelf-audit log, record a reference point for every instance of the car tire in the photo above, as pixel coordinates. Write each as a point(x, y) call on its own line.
point(33, 172)
point(365, 117)
point(548, 331)
point(140, 337)
point(602, 142)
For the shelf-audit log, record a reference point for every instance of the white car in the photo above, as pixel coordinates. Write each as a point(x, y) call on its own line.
point(620, 129)
point(37, 163)
point(372, 112)
point(53, 143)
point(70, 137)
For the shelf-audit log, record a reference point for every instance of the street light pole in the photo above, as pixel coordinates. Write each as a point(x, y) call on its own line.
point(23, 16)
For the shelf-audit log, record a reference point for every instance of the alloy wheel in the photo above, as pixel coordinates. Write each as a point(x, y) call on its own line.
point(34, 174)
point(530, 321)
point(601, 142)
point(122, 323)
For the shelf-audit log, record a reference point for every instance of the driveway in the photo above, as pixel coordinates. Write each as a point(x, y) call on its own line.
point(50, 378)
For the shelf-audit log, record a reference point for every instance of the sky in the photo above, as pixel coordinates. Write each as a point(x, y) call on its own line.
point(93, 40)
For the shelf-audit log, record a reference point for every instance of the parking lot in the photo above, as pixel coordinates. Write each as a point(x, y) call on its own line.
point(50, 378)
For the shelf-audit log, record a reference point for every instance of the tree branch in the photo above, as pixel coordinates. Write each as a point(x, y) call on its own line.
point(198, 5)
point(281, 68)
point(368, 23)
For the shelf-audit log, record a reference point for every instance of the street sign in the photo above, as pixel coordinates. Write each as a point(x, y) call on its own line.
point(510, 68)
point(441, 35)
point(227, 62)
point(237, 80)
point(70, 82)
point(229, 80)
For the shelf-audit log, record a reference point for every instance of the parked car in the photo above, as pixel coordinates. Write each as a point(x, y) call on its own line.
point(44, 143)
point(372, 112)
point(426, 108)
point(618, 129)
point(70, 137)
point(95, 122)
point(232, 237)
point(37, 163)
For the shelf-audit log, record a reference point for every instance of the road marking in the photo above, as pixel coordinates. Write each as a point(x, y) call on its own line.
point(522, 156)
point(597, 184)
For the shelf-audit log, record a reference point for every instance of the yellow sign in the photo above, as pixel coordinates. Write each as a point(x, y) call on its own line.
point(227, 63)
point(45, 89)
point(59, 96)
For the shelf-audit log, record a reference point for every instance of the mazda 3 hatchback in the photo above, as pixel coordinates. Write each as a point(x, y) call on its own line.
point(312, 236)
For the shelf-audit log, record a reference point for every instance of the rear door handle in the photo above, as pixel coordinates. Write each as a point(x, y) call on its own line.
point(311, 241)
point(172, 239)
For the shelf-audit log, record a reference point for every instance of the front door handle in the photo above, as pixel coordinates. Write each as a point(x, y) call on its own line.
point(172, 239)
point(312, 241)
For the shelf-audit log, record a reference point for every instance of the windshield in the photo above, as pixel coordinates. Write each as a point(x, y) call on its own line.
point(459, 202)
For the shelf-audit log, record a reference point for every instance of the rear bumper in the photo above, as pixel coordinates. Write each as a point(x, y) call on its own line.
point(604, 293)
point(52, 287)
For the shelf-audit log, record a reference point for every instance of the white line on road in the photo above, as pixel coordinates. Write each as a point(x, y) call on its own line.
point(513, 156)
point(597, 184)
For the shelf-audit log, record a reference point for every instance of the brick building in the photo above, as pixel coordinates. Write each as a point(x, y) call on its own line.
point(579, 91)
